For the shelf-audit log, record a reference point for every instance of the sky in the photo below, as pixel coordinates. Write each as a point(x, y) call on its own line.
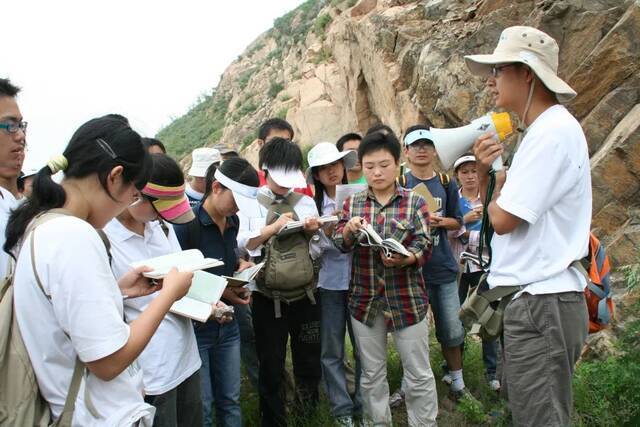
point(147, 60)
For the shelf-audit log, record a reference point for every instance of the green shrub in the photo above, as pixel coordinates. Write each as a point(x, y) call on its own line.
point(274, 89)
point(243, 81)
point(246, 108)
point(201, 125)
point(325, 55)
point(321, 23)
point(248, 139)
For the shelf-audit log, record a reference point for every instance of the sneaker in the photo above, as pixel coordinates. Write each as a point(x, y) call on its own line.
point(446, 378)
point(344, 421)
point(494, 385)
point(396, 399)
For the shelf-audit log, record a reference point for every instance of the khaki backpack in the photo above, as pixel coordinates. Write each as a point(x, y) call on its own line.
point(289, 273)
point(21, 403)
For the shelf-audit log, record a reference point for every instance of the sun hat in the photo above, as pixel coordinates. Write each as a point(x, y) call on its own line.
point(244, 195)
point(287, 178)
point(418, 135)
point(201, 159)
point(325, 153)
point(462, 160)
point(170, 202)
point(530, 46)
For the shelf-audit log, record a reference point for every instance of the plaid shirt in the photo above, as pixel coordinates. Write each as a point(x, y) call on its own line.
point(397, 293)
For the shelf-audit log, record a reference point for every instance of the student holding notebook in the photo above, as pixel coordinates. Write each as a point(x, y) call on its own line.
point(388, 292)
point(171, 378)
point(229, 187)
point(67, 303)
point(328, 168)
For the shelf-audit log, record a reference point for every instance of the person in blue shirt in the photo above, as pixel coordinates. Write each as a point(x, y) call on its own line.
point(471, 210)
point(328, 168)
point(229, 187)
point(440, 272)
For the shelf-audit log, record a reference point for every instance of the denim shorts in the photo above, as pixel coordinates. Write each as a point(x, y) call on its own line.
point(445, 304)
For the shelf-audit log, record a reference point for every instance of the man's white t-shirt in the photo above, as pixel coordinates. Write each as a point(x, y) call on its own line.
point(549, 187)
point(7, 203)
point(83, 318)
point(172, 354)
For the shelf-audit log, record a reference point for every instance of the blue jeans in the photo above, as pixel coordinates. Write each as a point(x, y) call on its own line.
point(445, 304)
point(334, 320)
point(219, 347)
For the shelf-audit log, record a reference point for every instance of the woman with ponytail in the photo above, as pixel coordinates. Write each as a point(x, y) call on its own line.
point(68, 305)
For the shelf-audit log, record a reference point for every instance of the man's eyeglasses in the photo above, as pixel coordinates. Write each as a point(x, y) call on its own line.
point(420, 146)
point(14, 127)
point(497, 69)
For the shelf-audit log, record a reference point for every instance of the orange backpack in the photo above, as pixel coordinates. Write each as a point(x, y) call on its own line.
point(598, 290)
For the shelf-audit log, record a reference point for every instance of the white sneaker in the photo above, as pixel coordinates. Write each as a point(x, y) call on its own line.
point(344, 421)
point(447, 379)
point(494, 385)
point(396, 399)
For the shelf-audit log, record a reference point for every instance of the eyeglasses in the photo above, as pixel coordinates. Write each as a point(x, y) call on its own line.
point(420, 146)
point(497, 69)
point(14, 127)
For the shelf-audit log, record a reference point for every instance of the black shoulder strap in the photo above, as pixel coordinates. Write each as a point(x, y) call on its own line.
point(165, 227)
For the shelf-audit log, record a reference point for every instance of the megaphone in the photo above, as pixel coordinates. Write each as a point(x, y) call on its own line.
point(453, 143)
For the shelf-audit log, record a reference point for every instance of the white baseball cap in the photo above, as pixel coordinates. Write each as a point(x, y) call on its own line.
point(201, 159)
point(325, 153)
point(287, 178)
point(529, 46)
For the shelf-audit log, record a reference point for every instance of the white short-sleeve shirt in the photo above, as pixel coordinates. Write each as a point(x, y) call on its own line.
point(549, 187)
point(83, 318)
point(163, 369)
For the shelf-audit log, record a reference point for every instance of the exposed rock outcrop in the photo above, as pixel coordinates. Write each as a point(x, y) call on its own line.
point(334, 67)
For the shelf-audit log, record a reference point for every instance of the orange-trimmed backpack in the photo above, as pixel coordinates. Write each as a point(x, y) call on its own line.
point(598, 290)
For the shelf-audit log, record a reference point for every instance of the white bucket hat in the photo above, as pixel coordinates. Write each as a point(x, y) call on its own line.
point(530, 46)
point(325, 153)
point(201, 159)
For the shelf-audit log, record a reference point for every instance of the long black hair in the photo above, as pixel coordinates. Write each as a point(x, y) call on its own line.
point(165, 171)
point(96, 147)
point(235, 168)
point(318, 194)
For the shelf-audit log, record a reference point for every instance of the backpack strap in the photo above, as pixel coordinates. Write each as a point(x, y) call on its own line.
point(165, 227)
point(70, 402)
point(79, 368)
point(444, 180)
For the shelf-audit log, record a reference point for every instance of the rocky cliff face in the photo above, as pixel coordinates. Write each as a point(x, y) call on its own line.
point(340, 66)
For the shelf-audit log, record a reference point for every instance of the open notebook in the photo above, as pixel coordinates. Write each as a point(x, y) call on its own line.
point(293, 226)
point(244, 277)
point(205, 291)
point(369, 237)
point(189, 260)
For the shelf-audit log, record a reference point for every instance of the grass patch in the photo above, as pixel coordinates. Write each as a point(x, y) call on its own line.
point(322, 23)
point(282, 113)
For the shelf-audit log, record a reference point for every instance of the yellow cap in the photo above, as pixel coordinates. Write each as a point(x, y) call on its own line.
point(502, 122)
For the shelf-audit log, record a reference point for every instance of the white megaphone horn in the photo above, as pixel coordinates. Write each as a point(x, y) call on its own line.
point(453, 143)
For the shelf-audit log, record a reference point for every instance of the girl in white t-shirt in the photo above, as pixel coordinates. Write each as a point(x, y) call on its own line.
point(78, 310)
point(170, 363)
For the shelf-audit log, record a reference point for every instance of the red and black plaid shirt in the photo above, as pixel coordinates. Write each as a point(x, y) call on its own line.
point(398, 293)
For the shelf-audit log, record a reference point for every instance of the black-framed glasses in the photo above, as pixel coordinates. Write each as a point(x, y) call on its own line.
point(421, 146)
point(14, 127)
point(497, 69)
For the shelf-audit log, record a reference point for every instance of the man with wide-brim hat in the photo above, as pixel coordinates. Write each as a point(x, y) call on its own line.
point(541, 213)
